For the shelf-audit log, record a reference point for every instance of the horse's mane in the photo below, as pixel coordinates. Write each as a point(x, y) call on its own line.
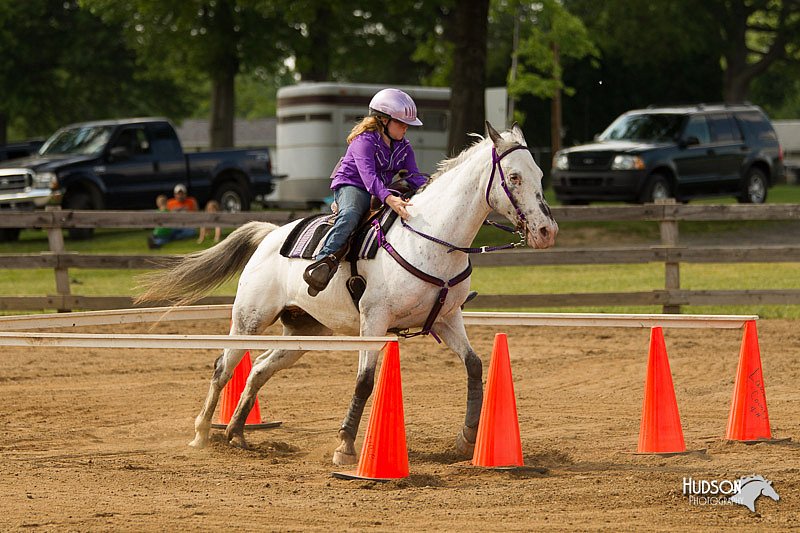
point(447, 164)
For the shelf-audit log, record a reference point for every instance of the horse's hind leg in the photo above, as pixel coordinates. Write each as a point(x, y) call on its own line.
point(265, 366)
point(452, 332)
point(223, 370)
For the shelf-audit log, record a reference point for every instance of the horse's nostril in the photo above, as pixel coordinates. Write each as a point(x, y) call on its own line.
point(544, 232)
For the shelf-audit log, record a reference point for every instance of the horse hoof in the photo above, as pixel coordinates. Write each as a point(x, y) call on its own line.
point(198, 443)
point(344, 459)
point(463, 445)
point(236, 438)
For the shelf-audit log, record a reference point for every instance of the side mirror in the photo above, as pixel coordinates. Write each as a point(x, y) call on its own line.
point(596, 137)
point(119, 152)
point(689, 141)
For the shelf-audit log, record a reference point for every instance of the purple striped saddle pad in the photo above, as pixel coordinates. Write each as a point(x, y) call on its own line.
point(306, 238)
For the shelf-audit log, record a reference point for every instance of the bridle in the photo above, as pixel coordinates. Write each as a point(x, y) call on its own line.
point(522, 220)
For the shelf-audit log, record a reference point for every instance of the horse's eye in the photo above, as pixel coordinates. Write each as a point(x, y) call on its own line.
point(515, 178)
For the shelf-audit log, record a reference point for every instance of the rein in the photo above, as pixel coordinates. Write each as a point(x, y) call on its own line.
point(446, 285)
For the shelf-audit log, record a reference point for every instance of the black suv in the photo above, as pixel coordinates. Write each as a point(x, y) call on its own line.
point(680, 152)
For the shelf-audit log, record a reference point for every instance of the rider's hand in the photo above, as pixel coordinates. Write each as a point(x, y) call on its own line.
point(398, 205)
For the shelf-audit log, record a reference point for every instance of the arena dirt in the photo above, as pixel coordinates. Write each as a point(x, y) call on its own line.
point(97, 439)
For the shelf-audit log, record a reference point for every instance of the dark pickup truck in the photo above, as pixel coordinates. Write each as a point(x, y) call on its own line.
point(125, 164)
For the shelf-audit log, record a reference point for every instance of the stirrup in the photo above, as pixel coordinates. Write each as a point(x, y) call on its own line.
point(319, 273)
point(471, 296)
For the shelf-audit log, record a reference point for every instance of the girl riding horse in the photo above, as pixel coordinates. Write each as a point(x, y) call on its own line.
point(377, 150)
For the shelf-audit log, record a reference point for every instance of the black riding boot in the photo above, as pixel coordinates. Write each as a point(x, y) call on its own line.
point(319, 273)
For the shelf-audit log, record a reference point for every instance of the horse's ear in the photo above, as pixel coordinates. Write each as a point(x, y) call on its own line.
point(496, 138)
point(518, 135)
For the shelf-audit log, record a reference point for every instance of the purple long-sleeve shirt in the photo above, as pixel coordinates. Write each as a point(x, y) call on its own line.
point(370, 164)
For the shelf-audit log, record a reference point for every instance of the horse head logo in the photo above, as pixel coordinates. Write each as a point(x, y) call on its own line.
point(750, 488)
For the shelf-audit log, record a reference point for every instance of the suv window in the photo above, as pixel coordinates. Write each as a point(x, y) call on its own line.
point(697, 126)
point(724, 128)
point(644, 127)
point(757, 126)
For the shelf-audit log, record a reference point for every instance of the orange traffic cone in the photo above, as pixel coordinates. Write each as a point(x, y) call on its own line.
point(749, 420)
point(660, 430)
point(498, 443)
point(384, 455)
point(230, 399)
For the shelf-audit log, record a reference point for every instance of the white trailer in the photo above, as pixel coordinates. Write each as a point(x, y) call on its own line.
point(315, 118)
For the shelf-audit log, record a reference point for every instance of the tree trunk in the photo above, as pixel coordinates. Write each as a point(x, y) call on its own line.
point(317, 66)
point(222, 111)
point(468, 80)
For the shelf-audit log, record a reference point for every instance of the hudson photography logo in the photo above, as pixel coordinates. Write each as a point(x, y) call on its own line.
point(743, 491)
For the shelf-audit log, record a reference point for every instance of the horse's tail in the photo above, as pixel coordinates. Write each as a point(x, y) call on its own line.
point(186, 279)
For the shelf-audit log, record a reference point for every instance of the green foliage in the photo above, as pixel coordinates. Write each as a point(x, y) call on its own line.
point(62, 64)
point(545, 26)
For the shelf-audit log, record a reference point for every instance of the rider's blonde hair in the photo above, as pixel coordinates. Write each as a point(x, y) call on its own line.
point(368, 123)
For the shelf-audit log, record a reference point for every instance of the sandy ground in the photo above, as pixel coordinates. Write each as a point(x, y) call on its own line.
point(97, 439)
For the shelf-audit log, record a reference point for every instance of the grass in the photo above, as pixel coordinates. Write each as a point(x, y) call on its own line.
point(495, 280)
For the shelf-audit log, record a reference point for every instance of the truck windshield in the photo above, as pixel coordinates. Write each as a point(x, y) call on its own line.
point(86, 140)
point(644, 127)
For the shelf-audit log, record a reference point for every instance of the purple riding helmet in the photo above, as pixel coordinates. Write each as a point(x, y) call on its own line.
point(396, 104)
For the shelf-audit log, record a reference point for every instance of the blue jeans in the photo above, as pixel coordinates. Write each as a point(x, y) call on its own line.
point(353, 205)
point(176, 235)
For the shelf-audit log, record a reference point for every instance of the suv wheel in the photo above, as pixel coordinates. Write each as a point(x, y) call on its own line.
point(754, 187)
point(81, 201)
point(656, 188)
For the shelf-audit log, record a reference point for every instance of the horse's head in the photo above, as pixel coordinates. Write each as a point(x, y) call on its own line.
point(515, 188)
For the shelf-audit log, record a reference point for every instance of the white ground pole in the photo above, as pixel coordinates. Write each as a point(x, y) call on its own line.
point(11, 326)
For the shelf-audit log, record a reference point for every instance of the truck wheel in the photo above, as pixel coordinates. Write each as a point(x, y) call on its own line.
point(81, 201)
point(231, 197)
point(656, 188)
point(9, 234)
point(754, 187)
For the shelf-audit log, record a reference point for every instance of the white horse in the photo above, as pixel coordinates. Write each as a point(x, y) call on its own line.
point(497, 173)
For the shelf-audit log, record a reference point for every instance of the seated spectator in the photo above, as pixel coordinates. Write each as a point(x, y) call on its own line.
point(211, 207)
point(161, 234)
point(180, 202)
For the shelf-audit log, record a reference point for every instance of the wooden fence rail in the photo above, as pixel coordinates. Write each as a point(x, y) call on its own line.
point(669, 252)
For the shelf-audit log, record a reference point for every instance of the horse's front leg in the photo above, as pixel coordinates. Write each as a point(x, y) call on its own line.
point(452, 332)
point(345, 453)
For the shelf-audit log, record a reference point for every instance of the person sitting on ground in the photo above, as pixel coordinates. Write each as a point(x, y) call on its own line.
point(179, 202)
point(211, 207)
point(377, 150)
point(161, 233)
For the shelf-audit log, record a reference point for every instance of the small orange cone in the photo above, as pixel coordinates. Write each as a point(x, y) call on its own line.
point(660, 430)
point(498, 442)
point(384, 455)
point(749, 420)
point(233, 390)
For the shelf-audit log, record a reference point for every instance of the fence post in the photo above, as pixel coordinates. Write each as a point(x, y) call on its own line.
point(669, 238)
point(55, 239)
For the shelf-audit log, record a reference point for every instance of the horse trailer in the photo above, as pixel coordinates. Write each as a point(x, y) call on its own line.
point(314, 120)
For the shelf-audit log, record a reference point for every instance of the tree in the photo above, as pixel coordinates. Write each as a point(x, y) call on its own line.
point(61, 64)
point(548, 34)
point(756, 35)
point(468, 77)
point(216, 38)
